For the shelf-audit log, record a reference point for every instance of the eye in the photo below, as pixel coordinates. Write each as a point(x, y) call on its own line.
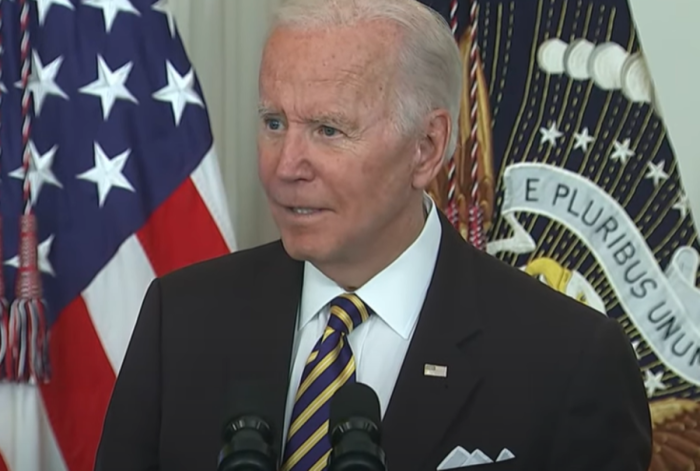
point(273, 124)
point(329, 131)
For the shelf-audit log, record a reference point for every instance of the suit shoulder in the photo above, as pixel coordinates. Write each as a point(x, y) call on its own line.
point(234, 269)
point(523, 300)
point(549, 331)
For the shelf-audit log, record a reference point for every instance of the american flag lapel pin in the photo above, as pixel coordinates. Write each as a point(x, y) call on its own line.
point(438, 371)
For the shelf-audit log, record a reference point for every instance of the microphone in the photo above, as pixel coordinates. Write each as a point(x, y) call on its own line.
point(355, 430)
point(248, 433)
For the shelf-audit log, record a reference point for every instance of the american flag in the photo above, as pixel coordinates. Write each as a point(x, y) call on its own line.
point(122, 177)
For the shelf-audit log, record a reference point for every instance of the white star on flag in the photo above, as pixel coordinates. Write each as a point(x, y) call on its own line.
point(163, 6)
point(42, 81)
point(550, 134)
point(43, 252)
point(582, 140)
point(110, 85)
point(653, 382)
point(622, 151)
point(44, 5)
point(111, 8)
point(682, 205)
point(179, 91)
point(40, 172)
point(107, 173)
point(656, 172)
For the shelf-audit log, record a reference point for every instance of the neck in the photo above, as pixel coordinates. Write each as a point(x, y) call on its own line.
point(358, 268)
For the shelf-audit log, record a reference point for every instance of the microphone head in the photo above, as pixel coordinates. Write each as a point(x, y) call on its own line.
point(355, 419)
point(249, 438)
point(354, 401)
point(248, 399)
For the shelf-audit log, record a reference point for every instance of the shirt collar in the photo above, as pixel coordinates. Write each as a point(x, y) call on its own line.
point(396, 293)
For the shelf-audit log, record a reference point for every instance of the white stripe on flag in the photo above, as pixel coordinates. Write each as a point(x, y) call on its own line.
point(208, 181)
point(115, 295)
point(26, 439)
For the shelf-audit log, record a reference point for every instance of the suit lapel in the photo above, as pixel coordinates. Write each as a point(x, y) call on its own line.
point(265, 333)
point(422, 407)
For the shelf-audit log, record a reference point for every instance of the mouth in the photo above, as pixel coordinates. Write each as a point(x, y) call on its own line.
point(303, 211)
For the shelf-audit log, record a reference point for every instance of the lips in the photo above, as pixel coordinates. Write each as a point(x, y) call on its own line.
point(301, 210)
point(304, 211)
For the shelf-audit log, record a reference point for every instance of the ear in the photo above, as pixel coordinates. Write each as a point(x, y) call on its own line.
point(431, 147)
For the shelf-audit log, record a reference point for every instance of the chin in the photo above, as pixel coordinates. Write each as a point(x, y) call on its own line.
point(307, 249)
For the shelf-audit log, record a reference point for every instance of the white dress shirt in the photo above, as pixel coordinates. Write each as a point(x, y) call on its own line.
point(396, 295)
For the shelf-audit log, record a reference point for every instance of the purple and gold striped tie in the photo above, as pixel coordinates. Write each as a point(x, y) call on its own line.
point(330, 365)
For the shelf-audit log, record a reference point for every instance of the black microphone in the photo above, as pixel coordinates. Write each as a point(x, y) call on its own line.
point(355, 430)
point(248, 433)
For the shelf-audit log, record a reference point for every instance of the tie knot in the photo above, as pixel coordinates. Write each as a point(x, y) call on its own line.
point(347, 312)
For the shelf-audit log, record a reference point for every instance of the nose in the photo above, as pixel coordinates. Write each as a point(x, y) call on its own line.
point(293, 163)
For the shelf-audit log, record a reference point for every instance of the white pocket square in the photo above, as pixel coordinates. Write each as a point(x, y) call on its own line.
point(459, 457)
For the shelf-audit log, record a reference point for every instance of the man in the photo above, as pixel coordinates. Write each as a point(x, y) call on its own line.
point(370, 283)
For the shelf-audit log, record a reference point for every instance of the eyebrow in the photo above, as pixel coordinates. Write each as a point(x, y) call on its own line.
point(264, 110)
point(337, 118)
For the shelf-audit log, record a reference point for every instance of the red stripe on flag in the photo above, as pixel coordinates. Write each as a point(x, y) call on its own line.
point(3, 466)
point(181, 232)
point(77, 397)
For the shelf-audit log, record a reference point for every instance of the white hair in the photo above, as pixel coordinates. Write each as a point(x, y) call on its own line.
point(429, 61)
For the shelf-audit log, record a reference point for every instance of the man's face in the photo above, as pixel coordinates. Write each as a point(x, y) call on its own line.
point(338, 176)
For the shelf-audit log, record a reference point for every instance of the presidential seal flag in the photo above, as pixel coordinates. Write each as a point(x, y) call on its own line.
point(565, 170)
point(108, 178)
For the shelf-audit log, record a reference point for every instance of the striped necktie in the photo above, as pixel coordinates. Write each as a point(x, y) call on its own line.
point(330, 365)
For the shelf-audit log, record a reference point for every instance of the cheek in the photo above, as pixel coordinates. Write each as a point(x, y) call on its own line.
point(386, 176)
point(267, 160)
point(366, 191)
point(264, 169)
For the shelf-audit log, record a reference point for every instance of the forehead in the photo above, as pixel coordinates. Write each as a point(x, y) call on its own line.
point(351, 64)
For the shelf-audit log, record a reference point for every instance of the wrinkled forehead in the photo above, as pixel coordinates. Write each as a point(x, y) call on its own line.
point(358, 62)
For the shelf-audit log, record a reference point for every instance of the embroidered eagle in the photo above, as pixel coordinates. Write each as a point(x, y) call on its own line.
point(676, 432)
